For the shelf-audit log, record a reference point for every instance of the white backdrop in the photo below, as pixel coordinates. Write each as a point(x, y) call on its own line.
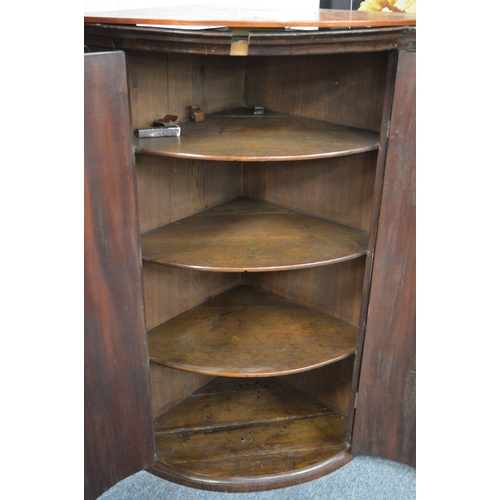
point(103, 5)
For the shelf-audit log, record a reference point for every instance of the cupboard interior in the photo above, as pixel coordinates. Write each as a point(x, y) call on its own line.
point(340, 88)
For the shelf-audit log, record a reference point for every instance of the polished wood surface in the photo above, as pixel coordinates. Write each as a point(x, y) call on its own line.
point(239, 135)
point(203, 15)
point(385, 423)
point(118, 432)
point(249, 235)
point(245, 332)
point(241, 434)
point(219, 42)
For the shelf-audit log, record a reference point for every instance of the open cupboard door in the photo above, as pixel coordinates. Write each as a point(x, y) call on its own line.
point(385, 420)
point(118, 418)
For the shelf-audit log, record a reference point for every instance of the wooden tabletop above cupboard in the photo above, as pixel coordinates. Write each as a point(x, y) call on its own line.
point(239, 17)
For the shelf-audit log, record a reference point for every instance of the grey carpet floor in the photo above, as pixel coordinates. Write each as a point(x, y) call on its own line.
point(364, 478)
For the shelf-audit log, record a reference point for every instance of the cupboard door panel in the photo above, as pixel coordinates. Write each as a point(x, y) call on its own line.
point(385, 419)
point(118, 420)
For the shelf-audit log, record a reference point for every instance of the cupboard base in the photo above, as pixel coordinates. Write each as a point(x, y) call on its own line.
point(249, 435)
point(249, 484)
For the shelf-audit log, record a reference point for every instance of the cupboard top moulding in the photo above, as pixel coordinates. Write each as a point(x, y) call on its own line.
point(213, 30)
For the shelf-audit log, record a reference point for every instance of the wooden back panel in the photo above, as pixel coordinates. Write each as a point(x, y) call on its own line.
point(170, 189)
point(325, 87)
point(335, 189)
point(339, 88)
point(163, 84)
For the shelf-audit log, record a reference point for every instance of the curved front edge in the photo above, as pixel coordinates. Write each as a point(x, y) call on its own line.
point(249, 484)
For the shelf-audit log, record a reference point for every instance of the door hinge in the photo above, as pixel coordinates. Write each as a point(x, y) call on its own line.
point(355, 400)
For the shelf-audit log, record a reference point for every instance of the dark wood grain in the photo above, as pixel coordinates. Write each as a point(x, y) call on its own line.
point(193, 287)
point(334, 290)
point(170, 189)
point(251, 17)
point(234, 407)
point(328, 41)
point(248, 333)
point(321, 462)
point(118, 431)
point(169, 386)
point(198, 450)
point(161, 84)
point(385, 419)
point(390, 78)
point(239, 435)
point(346, 186)
point(347, 89)
point(248, 235)
point(219, 42)
point(329, 384)
point(242, 136)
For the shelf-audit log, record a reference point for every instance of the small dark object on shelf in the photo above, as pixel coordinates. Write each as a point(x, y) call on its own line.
point(196, 113)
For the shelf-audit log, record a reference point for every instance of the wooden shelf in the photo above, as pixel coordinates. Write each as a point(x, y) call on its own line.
point(245, 332)
point(239, 135)
point(249, 235)
point(234, 431)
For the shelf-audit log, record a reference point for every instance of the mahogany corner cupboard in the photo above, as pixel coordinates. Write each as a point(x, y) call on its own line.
point(249, 283)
